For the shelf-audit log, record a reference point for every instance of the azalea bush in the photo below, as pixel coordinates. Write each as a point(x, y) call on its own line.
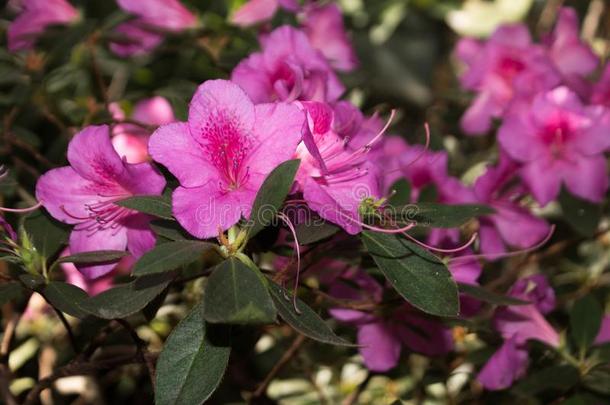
point(282, 201)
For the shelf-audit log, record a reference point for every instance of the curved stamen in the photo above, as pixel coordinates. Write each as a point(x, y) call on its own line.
point(290, 226)
point(22, 210)
point(435, 249)
point(426, 147)
point(494, 256)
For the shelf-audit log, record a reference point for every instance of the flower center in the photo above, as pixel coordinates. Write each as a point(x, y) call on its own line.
point(509, 67)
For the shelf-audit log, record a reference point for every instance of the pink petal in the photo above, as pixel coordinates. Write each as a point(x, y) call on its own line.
point(518, 227)
point(603, 336)
point(254, 12)
point(506, 365)
point(587, 178)
point(140, 238)
point(93, 240)
point(137, 40)
point(543, 179)
point(380, 347)
point(154, 111)
point(170, 15)
point(173, 146)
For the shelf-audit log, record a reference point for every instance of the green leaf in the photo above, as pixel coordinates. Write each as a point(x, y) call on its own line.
point(585, 321)
point(438, 215)
point(193, 361)
point(10, 291)
point(313, 232)
point(271, 195)
point(307, 322)
point(583, 216)
point(126, 299)
point(168, 229)
point(67, 298)
point(47, 234)
point(598, 379)
point(555, 378)
point(157, 205)
point(170, 256)
point(484, 295)
point(236, 294)
point(97, 256)
point(420, 277)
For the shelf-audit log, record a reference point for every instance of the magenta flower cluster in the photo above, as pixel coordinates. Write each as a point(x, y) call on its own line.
point(285, 102)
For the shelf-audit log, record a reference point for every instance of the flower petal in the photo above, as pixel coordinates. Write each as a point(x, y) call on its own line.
point(380, 347)
point(87, 240)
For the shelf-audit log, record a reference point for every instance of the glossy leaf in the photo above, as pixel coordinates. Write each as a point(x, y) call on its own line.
point(439, 215)
point(271, 195)
point(585, 321)
point(170, 256)
point(67, 298)
point(307, 322)
point(98, 256)
point(490, 297)
point(159, 206)
point(236, 294)
point(47, 234)
point(10, 291)
point(193, 361)
point(420, 277)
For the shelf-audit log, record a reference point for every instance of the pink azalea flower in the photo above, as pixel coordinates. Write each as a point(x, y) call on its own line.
point(35, 17)
point(222, 155)
point(288, 68)
point(83, 194)
point(326, 32)
point(335, 173)
point(153, 17)
point(257, 11)
point(512, 224)
point(167, 15)
point(505, 65)
point(517, 325)
point(558, 141)
point(381, 337)
point(131, 141)
point(569, 53)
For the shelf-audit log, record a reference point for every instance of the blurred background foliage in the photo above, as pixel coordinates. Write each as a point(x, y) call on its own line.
point(405, 51)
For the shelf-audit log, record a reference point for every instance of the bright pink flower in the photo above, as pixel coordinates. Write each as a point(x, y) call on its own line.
point(222, 155)
point(130, 140)
point(558, 141)
point(569, 53)
point(511, 224)
point(505, 65)
point(518, 324)
point(83, 194)
point(35, 17)
point(167, 15)
point(326, 32)
point(153, 17)
point(257, 11)
point(91, 287)
point(335, 176)
point(288, 68)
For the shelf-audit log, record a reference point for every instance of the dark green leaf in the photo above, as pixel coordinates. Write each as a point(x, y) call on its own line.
point(583, 216)
point(126, 299)
point(420, 277)
point(157, 205)
point(307, 322)
point(271, 195)
point(308, 233)
point(32, 281)
point(67, 298)
point(170, 256)
point(484, 295)
point(438, 215)
point(585, 321)
point(193, 361)
point(598, 379)
point(556, 378)
point(98, 256)
point(168, 229)
point(10, 291)
point(47, 234)
point(236, 294)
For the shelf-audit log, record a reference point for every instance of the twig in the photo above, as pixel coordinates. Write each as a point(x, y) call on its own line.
point(5, 346)
point(64, 321)
point(288, 355)
point(142, 351)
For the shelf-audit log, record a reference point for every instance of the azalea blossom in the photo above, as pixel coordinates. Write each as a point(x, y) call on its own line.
point(323, 25)
point(152, 19)
point(84, 195)
point(558, 141)
point(288, 68)
point(131, 140)
point(257, 11)
point(222, 155)
point(518, 324)
point(35, 17)
point(500, 68)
